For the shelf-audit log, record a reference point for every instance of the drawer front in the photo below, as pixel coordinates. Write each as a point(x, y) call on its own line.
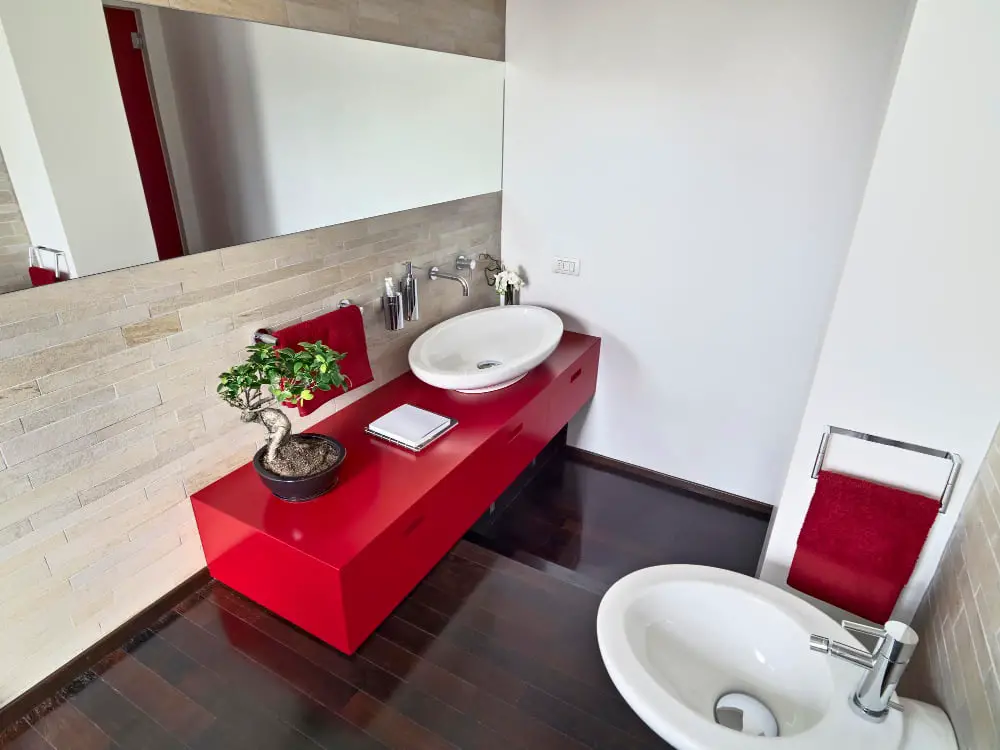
point(525, 437)
point(380, 578)
point(571, 390)
point(497, 463)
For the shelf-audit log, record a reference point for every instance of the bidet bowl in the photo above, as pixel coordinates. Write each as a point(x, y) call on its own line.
point(676, 638)
point(487, 349)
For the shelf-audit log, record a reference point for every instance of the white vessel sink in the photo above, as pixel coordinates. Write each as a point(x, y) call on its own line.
point(676, 638)
point(487, 349)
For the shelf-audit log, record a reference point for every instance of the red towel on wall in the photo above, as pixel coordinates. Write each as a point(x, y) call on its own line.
point(859, 544)
point(42, 276)
point(343, 331)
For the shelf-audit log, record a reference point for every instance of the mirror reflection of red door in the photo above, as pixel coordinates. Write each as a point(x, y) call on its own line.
point(130, 63)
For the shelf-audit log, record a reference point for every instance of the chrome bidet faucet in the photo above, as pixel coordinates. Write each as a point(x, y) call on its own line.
point(884, 665)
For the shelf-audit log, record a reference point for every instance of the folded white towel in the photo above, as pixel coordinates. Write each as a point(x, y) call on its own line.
point(410, 425)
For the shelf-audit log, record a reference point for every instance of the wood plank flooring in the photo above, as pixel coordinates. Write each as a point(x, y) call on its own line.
point(602, 525)
point(487, 653)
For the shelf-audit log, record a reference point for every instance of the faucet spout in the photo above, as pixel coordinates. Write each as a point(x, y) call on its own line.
point(436, 273)
point(857, 656)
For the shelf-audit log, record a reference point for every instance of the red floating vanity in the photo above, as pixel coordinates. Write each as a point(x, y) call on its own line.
point(337, 566)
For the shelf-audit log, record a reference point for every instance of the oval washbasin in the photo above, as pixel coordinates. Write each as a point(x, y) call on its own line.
point(487, 349)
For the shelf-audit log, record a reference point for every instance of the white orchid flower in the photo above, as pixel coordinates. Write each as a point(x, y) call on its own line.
point(508, 280)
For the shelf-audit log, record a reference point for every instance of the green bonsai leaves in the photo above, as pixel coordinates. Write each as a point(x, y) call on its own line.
point(291, 376)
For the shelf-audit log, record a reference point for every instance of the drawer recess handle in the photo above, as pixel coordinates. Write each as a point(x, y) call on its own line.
point(413, 525)
point(517, 431)
point(576, 374)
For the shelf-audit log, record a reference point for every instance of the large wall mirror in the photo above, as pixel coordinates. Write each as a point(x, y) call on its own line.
point(134, 133)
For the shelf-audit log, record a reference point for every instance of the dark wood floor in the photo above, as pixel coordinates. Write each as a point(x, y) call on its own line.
point(603, 525)
point(488, 652)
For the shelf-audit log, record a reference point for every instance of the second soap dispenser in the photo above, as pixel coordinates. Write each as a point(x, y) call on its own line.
point(408, 290)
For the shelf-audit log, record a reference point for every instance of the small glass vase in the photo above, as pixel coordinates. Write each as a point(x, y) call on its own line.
point(510, 296)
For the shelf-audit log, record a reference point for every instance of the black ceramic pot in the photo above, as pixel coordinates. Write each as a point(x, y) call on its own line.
point(300, 489)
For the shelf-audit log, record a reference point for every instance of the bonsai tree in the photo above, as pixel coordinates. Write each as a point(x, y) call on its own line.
point(291, 377)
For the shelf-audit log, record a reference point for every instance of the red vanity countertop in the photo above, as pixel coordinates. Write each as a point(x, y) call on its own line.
point(380, 482)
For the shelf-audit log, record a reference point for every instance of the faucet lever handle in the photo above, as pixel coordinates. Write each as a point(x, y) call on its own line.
point(896, 641)
point(857, 627)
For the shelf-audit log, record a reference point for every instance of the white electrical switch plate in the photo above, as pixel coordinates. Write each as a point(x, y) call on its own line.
point(568, 266)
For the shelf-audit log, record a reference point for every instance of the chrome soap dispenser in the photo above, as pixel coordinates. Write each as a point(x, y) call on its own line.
point(408, 290)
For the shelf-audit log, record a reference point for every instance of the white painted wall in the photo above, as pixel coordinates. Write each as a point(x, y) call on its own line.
point(24, 160)
point(706, 162)
point(911, 350)
point(287, 130)
point(69, 144)
point(171, 128)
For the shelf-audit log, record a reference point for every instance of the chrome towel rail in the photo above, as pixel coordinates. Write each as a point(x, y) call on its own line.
point(264, 336)
point(59, 264)
point(956, 460)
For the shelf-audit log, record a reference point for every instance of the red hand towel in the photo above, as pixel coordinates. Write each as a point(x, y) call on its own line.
point(859, 544)
point(42, 276)
point(343, 331)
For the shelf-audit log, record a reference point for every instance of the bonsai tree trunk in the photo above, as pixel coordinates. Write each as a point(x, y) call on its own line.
point(278, 428)
point(289, 455)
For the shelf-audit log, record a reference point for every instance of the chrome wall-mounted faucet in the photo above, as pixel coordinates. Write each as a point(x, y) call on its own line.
point(884, 666)
point(461, 264)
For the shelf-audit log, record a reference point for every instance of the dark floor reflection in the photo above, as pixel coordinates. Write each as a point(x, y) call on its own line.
point(603, 525)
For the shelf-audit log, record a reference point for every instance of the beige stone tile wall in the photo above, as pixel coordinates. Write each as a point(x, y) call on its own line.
point(13, 238)
point(959, 621)
point(465, 27)
point(109, 418)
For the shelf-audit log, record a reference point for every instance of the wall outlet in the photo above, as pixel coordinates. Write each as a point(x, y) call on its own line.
point(568, 266)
